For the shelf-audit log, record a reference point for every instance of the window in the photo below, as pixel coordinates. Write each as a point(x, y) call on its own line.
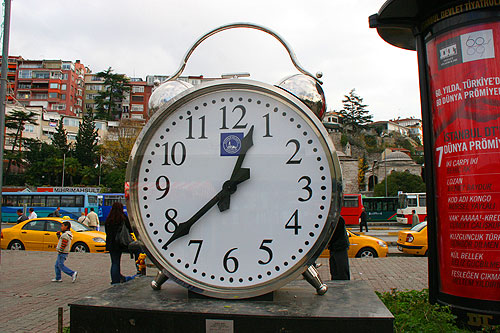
point(66, 66)
point(22, 85)
point(25, 74)
point(37, 225)
point(351, 201)
point(71, 137)
point(137, 98)
point(137, 107)
point(422, 200)
point(29, 128)
point(137, 116)
point(40, 96)
point(55, 75)
point(9, 200)
point(412, 201)
point(137, 89)
point(53, 201)
point(24, 200)
point(63, 86)
point(63, 96)
point(52, 226)
point(53, 95)
point(65, 77)
point(98, 125)
point(54, 86)
point(58, 107)
point(41, 75)
point(38, 201)
point(23, 95)
point(92, 199)
point(79, 201)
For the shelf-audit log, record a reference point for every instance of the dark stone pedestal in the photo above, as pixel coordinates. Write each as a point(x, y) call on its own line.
point(348, 306)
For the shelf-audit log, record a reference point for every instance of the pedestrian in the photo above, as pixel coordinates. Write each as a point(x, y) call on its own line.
point(93, 219)
point(55, 213)
point(32, 214)
point(363, 220)
point(21, 216)
point(339, 259)
point(84, 219)
point(414, 218)
point(63, 246)
point(114, 222)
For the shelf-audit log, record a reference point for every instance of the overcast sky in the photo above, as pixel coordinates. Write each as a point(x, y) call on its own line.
point(140, 38)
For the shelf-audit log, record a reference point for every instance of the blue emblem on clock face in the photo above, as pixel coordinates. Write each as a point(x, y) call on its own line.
point(230, 144)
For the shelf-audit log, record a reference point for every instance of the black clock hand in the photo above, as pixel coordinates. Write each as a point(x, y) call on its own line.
point(238, 172)
point(183, 228)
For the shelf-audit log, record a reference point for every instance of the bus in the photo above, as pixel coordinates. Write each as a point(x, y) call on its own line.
point(381, 209)
point(409, 202)
point(106, 200)
point(72, 203)
point(351, 209)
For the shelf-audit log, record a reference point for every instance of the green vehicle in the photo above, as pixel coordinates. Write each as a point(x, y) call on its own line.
point(381, 209)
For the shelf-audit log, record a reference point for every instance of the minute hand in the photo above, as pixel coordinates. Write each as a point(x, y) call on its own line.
point(239, 174)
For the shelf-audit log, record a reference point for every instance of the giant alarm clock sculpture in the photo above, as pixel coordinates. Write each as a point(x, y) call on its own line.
point(234, 185)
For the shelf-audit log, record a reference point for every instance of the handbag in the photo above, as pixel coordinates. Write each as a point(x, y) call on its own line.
point(123, 237)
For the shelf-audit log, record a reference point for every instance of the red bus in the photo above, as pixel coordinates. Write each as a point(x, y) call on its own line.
point(352, 208)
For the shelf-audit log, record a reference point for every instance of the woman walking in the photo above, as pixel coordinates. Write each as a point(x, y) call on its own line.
point(114, 222)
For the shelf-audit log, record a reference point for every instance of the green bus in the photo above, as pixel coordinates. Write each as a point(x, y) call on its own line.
point(381, 209)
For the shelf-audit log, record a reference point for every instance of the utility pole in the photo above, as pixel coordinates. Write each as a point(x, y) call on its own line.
point(3, 88)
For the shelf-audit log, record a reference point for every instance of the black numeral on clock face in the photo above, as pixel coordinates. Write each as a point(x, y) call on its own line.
point(237, 125)
point(293, 223)
point(297, 148)
point(268, 250)
point(170, 215)
point(199, 242)
point(307, 188)
point(190, 128)
point(228, 258)
point(268, 126)
point(177, 155)
point(162, 184)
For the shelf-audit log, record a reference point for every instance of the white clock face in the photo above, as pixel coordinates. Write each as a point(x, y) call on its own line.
point(259, 232)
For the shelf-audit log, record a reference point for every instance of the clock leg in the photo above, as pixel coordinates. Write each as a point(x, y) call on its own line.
point(159, 280)
point(312, 276)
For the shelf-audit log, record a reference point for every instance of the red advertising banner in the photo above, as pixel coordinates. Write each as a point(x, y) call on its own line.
point(464, 69)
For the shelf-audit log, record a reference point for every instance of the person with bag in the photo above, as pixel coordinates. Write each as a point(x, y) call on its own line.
point(117, 227)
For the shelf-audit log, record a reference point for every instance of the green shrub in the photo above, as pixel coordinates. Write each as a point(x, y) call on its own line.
point(413, 313)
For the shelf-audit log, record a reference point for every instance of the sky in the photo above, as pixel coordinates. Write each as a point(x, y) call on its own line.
point(148, 37)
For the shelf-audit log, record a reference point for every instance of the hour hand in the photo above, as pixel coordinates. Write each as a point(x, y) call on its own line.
point(229, 187)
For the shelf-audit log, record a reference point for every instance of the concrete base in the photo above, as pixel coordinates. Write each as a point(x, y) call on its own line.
point(135, 307)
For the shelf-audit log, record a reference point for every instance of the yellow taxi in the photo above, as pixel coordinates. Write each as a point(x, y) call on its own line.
point(414, 241)
point(40, 235)
point(362, 246)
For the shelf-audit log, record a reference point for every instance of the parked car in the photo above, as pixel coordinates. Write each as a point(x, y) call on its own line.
point(362, 246)
point(414, 241)
point(40, 235)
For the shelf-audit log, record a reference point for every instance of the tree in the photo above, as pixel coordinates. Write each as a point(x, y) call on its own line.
point(400, 181)
point(354, 114)
point(15, 121)
point(108, 101)
point(86, 141)
point(362, 169)
point(60, 138)
point(116, 152)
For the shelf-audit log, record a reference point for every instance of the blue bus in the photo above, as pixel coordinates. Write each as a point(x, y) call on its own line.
point(72, 203)
point(106, 200)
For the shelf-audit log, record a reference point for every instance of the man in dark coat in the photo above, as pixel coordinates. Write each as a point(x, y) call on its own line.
point(339, 260)
point(363, 220)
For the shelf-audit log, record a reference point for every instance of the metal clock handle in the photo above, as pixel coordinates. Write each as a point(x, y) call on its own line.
point(250, 26)
point(311, 275)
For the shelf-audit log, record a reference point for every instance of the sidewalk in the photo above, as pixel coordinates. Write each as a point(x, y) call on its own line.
point(29, 300)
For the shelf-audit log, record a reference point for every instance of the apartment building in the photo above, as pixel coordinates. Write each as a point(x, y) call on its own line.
point(13, 64)
point(55, 85)
point(135, 104)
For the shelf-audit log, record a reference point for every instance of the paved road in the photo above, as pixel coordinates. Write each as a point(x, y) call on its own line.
point(29, 300)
